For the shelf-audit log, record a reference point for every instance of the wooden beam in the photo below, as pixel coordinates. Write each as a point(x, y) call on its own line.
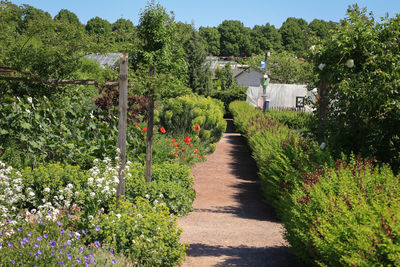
point(150, 125)
point(55, 82)
point(122, 123)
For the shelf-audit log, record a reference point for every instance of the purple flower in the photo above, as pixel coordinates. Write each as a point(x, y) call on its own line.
point(71, 234)
point(69, 256)
point(97, 228)
point(114, 261)
point(62, 231)
point(41, 222)
point(53, 243)
point(1, 233)
point(87, 257)
point(59, 223)
point(91, 255)
point(78, 260)
point(30, 253)
point(9, 220)
point(112, 251)
point(13, 262)
point(61, 263)
point(69, 216)
point(19, 229)
point(81, 250)
point(39, 238)
point(49, 212)
point(45, 236)
point(10, 244)
point(52, 253)
point(39, 252)
point(30, 234)
point(97, 244)
point(69, 242)
point(36, 245)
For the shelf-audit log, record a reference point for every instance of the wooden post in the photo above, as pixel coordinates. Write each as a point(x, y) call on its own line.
point(150, 125)
point(123, 115)
point(322, 109)
point(265, 82)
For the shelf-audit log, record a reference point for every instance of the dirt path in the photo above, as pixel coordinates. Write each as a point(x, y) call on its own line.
point(230, 225)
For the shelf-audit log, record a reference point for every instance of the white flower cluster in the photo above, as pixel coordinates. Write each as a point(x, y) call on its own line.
point(102, 185)
point(10, 191)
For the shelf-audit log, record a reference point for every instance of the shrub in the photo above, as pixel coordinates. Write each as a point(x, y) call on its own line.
point(62, 186)
point(180, 115)
point(292, 119)
point(346, 216)
point(50, 240)
point(12, 196)
point(147, 234)
point(171, 185)
point(281, 155)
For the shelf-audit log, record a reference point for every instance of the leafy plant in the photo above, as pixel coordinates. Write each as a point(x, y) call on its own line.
point(147, 234)
point(172, 188)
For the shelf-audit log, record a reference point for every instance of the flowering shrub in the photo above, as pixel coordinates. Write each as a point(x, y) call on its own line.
point(281, 155)
point(48, 241)
point(145, 232)
point(185, 152)
point(61, 186)
point(181, 115)
point(11, 192)
point(171, 185)
point(348, 215)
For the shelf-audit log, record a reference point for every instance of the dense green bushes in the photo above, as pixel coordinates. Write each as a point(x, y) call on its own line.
point(343, 215)
point(171, 185)
point(281, 155)
point(145, 232)
point(293, 120)
point(348, 215)
point(180, 115)
point(64, 197)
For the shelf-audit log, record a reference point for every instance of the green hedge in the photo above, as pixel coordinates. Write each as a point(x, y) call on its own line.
point(294, 120)
point(180, 115)
point(146, 233)
point(281, 155)
point(348, 215)
point(171, 185)
point(343, 215)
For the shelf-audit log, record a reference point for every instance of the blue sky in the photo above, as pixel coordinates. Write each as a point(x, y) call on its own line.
point(213, 12)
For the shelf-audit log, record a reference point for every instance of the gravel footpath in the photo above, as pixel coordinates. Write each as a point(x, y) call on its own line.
point(230, 225)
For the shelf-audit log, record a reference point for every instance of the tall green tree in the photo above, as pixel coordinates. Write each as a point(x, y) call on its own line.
point(159, 52)
point(265, 38)
point(38, 47)
point(68, 16)
point(321, 29)
point(199, 74)
point(358, 76)
point(211, 39)
point(98, 26)
point(235, 38)
point(295, 36)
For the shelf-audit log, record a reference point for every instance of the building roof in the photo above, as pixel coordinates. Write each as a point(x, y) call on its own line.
point(109, 59)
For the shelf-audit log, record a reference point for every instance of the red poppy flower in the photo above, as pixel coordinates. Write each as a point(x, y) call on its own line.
point(162, 129)
point(196, 150)
point(173, 140)
point(137, 125)
point(175, 144)
point(199, 156)
point(144, 130)
point(187, 140)
point(196, 127)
